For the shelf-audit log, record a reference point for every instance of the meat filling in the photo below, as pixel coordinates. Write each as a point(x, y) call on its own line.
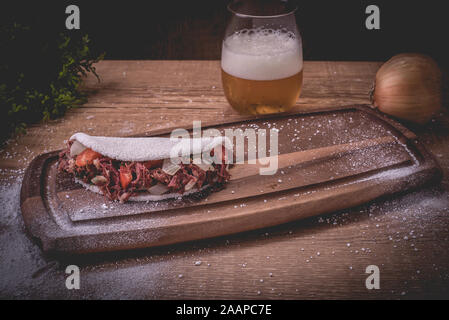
point(119, 180)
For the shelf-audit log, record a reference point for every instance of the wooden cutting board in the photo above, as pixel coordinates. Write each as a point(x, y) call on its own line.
point(329, 160)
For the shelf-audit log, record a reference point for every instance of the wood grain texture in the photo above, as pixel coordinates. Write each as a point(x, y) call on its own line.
point(326, 257)
point(318, 180)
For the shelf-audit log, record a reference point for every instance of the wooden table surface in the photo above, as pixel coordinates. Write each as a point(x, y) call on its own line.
point(406, 236)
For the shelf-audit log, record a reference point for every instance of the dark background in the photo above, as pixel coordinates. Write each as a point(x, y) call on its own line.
point(180, 29)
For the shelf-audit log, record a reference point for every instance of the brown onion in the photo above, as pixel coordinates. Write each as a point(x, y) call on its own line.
point(408, 86)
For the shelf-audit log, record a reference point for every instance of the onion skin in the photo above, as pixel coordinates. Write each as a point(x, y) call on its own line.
point(409, 86)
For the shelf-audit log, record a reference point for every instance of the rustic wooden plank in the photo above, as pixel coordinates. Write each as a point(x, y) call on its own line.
point(407, 236)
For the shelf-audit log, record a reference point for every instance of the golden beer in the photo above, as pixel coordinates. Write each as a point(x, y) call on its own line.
point(261, 96)
point(262, 70)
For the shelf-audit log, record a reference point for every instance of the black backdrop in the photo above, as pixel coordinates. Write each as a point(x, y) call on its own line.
point(181, 29)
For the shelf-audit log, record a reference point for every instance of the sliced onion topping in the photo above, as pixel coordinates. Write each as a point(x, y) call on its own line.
point(99, 180)
point(76, 148)
point(170, 168)
point(158, 189)
point(189, 185)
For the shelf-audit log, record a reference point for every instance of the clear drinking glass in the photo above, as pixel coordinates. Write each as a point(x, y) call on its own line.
point(261, 60)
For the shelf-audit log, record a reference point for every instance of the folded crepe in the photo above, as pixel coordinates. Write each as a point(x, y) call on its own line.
point(144, 169)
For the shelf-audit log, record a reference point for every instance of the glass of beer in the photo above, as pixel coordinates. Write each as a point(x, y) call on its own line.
point(261, 61)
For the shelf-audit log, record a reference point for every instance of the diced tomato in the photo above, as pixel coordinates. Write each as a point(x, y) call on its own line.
point(86, 157)
point(125, 177)
point(151, 164)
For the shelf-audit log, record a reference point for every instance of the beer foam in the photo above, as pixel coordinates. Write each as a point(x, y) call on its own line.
point(262, 54)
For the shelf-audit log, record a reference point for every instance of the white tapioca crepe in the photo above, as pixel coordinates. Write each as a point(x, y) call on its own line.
point(142, 149)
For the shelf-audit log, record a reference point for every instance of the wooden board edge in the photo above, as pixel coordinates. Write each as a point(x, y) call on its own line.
point(67, 244)
point(38, 222)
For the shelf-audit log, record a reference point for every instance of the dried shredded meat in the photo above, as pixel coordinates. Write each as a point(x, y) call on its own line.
point(104, 172)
